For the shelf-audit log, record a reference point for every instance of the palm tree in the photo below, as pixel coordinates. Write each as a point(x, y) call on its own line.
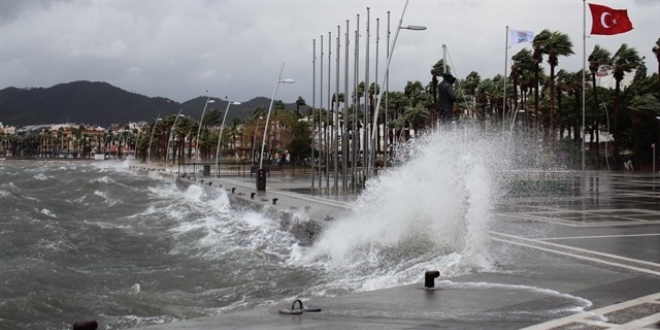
point(300, 102)
point(212, 118)
point(60, 141)
point(598, 57)
point(646, 107)
point(471, 83)
point(416, 116)
point(624, 60)
point(553, 44)
point(237, 130)
point(537, 56)
point(521, 70)
point(484, 91)
point(336, 99)
point(75, 133)
point(656, 51)
point(561, 86)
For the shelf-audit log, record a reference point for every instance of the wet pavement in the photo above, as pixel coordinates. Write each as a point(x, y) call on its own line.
point(587, 257)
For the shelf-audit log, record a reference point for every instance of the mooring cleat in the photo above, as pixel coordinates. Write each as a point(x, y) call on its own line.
point(300, 309)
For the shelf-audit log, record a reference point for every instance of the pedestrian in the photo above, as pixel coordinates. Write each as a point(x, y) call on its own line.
point(446, 98)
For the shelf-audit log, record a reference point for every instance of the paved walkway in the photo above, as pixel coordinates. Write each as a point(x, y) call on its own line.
point(596, 247)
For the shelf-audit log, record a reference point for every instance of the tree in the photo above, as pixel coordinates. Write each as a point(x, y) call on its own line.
point(300, 142)
point(656, 51)
point(598, 57)
point(416, 116)
point(562, 85)
point(521, 70)
point(439, 68)
point(644, 108)
point(471, 83)
point(555, 45)
point(60, 142)
point(625, 60)
point(300, 102)
point(537, 56)
point(279, 106)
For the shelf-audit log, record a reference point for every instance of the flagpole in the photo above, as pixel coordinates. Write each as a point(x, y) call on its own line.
point(584, 70)
point(322, 140)
point(328, 133)
point(506, 56)
point(335, 140)
point(313, 106)
point(344, 136)
point(366, 145)
point(386, 127)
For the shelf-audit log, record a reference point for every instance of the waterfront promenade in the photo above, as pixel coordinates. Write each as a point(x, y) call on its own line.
point(594, 248)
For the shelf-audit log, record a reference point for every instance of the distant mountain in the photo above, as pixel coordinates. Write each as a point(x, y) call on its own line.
point(99, 103)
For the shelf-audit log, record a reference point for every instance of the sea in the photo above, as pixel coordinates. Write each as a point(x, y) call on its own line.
point(85, 240)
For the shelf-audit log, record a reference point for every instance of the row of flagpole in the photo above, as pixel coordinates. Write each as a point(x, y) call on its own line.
point(328, 141)
point(334, 141)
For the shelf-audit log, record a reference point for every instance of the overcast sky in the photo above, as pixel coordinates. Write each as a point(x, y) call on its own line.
point(179, 49)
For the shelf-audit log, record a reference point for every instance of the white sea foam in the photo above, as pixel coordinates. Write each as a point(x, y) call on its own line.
point(41, 177)
point(433, 211)
point(135, 289)
point(48, 213)
point(105, 179)
point(101, 194)
point(578, 304)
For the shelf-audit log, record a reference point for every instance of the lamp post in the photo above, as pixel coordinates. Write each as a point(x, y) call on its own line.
point(270, 108)
point(153, 129)
point(217, 150)
point(386, 76)
point(199, 129)
point(167, 152)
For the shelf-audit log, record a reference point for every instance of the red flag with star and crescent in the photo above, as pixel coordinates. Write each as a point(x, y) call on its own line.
point(608, 21)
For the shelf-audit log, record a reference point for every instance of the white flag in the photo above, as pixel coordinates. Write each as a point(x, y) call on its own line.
point(519, 37)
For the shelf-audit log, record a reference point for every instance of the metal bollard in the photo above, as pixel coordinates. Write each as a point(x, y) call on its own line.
point(85, 325)
point(429, 278)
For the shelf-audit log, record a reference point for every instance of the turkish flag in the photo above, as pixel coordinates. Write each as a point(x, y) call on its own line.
point(608, 21)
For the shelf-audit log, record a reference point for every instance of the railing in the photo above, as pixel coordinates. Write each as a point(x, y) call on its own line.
point(231, 169)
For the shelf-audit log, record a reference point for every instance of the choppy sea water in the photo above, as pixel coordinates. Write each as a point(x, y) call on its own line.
point(94, 240)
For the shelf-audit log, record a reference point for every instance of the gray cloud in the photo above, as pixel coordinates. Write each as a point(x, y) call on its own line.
point(180, 49)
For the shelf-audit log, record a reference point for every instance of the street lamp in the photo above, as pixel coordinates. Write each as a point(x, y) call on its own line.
point(217, 150)
point(371, 162)
point(413, 27)
point(263, 143)
point(167, 152)
point(199, 129)
point(153, 129)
